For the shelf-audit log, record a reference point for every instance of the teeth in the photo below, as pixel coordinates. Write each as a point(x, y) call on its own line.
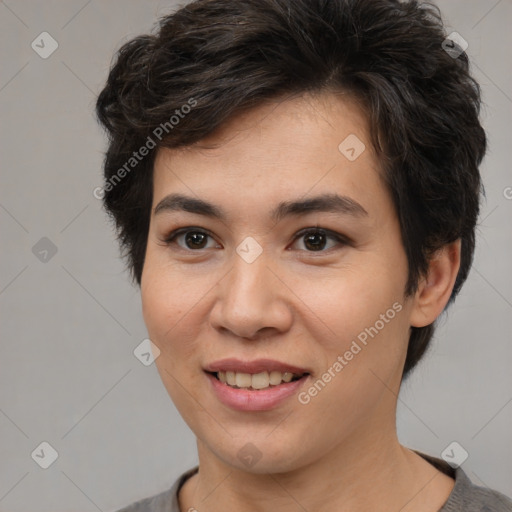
point(259, 380)
point(255, 381)
point(243, 380)
point(275, 378)
point(287, 377)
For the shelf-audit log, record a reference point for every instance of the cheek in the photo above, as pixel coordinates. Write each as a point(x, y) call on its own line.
point(164, 305)
point(360, 330)
point(168, 311)
point(175, 303)
point(341, 305)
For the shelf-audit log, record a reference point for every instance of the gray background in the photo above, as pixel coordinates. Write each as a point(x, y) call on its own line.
point(70, 324)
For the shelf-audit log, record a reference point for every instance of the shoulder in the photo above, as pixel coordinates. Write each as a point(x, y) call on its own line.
point(166, 501)
point(467, 496)
point(159, 503)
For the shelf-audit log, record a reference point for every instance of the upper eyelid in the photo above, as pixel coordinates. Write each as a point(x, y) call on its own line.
point(313, 229)
point(181, 231)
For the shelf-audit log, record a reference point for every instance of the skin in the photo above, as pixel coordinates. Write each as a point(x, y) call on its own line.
point(340, 451)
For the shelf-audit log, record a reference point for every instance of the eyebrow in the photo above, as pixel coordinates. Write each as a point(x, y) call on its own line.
point(332, 203)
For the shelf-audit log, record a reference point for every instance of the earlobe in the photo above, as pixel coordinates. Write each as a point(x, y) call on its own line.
point(435, 288)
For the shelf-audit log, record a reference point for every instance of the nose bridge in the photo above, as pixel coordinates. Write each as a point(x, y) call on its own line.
point(249, 278)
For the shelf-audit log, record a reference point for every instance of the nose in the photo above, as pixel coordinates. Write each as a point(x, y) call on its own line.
point(252, 301)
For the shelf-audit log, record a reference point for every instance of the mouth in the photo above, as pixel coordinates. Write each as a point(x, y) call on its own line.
point(256, 381)
point(257, 385)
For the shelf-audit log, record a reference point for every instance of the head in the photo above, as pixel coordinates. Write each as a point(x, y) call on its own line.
point(271, 111)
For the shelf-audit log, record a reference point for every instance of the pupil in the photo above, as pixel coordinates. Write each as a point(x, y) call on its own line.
point(315, 241)
point(196, 239)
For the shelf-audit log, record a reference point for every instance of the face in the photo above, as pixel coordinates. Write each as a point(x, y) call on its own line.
point(281, 258)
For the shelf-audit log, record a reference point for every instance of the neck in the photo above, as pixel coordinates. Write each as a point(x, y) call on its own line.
point(368, 470)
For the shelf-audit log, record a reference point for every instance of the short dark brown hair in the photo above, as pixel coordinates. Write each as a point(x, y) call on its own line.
point(219, 57)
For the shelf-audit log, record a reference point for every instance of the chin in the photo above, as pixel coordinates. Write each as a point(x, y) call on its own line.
point(262, 452)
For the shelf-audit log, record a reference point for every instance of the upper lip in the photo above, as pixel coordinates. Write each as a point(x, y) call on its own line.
point(255, 366)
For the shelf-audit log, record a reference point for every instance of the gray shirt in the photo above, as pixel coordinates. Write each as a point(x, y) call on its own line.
point(465, 496)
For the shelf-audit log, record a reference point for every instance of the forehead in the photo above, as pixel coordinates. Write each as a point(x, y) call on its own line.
point(286, 148)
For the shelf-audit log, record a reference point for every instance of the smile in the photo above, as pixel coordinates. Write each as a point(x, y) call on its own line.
point(256, 381)
point(257, 385)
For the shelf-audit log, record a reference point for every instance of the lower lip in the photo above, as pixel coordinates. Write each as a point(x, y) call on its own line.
point(254, 400)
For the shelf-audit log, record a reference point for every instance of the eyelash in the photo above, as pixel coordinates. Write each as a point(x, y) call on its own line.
point(340, 239)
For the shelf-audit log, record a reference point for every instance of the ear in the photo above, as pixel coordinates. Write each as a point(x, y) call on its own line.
point(435, 288)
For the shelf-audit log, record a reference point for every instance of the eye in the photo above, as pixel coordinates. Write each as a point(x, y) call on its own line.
point(313, 239)
point(191, 239)
point(317, 239)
